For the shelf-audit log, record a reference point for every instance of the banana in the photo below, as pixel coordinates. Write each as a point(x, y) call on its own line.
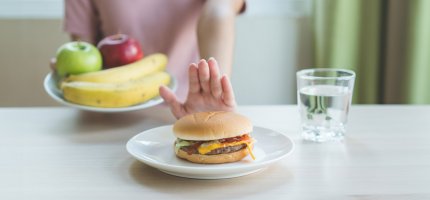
point(132, 71)
point(115, 95)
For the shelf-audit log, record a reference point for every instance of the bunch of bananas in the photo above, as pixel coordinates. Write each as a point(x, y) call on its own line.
point(117, 87)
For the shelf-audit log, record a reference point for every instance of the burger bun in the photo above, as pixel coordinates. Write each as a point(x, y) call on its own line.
point(205, 126)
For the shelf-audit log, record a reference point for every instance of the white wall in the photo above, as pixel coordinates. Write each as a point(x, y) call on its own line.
point(272, 39)
point(31, 9)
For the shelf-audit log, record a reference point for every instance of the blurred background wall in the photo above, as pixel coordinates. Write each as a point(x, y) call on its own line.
point(30, 32)
point(272, 38)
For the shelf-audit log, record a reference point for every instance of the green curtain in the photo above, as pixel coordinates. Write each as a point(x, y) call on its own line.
point(418, 83)
point(353, 34)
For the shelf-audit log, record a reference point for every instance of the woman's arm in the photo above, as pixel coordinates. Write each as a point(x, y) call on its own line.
point(216, 31)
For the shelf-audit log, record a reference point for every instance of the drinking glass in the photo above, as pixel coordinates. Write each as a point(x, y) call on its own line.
point(324, 98)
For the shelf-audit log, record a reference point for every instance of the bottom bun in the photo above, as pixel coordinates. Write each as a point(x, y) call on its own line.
point(214, 159)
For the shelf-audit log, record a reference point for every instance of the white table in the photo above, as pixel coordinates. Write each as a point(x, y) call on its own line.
point(63, 153)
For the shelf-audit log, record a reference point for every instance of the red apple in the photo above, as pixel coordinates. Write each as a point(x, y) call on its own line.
point(119, 49)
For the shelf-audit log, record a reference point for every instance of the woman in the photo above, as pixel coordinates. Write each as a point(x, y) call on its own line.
point(185, 30)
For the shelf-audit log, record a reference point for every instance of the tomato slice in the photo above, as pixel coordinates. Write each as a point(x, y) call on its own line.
point(244, 137)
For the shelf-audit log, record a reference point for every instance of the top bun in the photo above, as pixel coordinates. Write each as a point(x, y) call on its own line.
point(205, 126)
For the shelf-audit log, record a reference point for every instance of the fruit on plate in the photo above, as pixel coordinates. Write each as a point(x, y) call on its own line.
point(115, 95)
point(119, 49)
point(150, 64)
point(77, 58)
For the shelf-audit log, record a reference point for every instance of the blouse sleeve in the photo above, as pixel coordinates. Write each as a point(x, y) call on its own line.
point(81, 19)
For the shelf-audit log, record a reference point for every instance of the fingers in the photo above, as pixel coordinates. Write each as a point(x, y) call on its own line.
point(204, 76)
point(208, 81)
point(215, 82)
point(52, 63)
point(194, 82)
point(170, 98)
point(228, 94)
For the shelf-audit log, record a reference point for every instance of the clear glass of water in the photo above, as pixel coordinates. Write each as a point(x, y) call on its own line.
point(324, 98)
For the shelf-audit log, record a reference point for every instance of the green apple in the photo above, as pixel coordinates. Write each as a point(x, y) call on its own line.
point(77, 58)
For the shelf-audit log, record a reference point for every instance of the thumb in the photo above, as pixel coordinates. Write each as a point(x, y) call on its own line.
point(52, 63)
point(170, 98)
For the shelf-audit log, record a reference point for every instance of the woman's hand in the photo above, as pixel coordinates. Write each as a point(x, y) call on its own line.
point(52, 64)
point(208, 91)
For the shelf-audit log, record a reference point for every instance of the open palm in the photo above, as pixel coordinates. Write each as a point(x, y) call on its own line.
point(208, 91)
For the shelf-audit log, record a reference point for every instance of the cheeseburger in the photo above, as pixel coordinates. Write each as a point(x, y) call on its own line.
point(213, 137)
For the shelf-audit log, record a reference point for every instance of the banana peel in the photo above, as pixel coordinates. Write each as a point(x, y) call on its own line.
point(115, 94)
point(133, 71)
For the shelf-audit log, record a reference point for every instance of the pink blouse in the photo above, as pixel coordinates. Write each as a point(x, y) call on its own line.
point(165, 26)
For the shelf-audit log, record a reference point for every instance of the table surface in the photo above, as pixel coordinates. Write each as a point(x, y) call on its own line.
point(63, 153)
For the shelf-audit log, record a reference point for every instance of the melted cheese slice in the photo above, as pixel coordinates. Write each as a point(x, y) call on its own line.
point(250, 152)
point(208, 147)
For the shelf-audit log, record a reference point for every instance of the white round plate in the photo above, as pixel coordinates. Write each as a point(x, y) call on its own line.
point(51, 88)
point(154, 147)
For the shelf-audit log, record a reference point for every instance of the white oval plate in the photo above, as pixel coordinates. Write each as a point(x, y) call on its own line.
point(53, 91)
point(154, 147)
